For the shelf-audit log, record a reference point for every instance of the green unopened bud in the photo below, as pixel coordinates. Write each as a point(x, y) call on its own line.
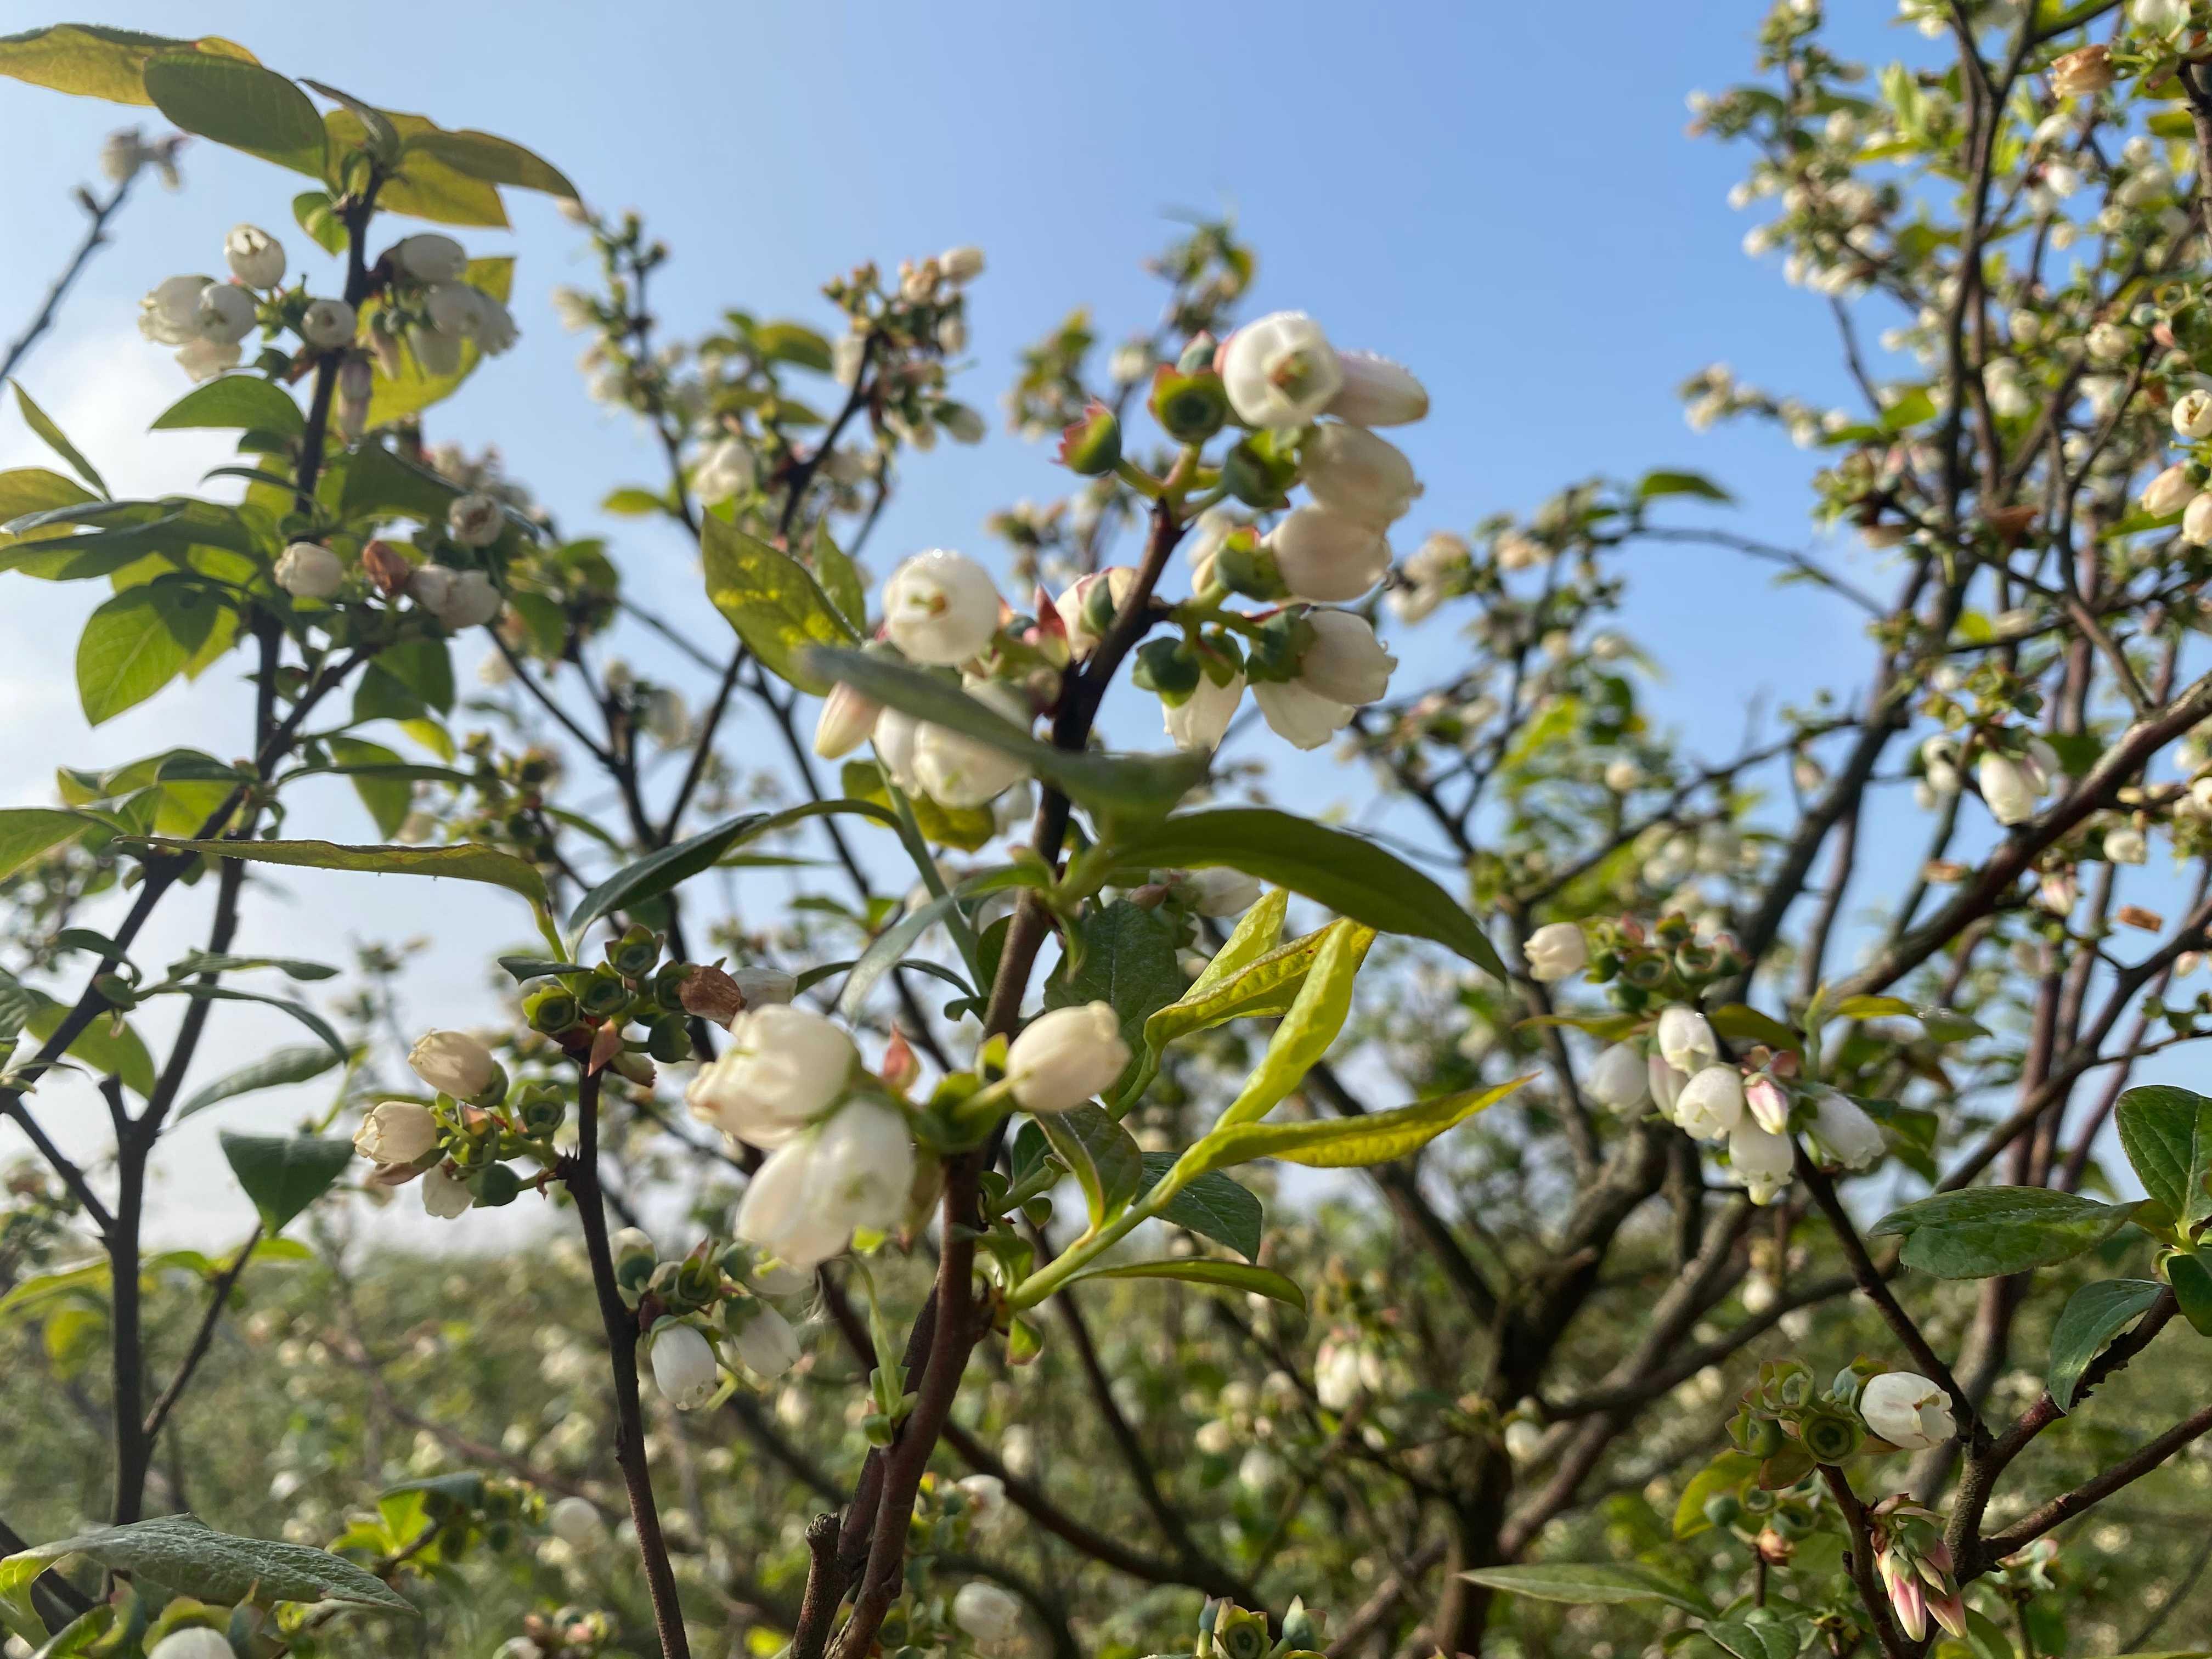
point(1829, 1435)
point(602, 995)
point(633, 954)
point(1167, 667)
point(1238, 1634)
point(542, 1114)
point(550, 1008)
point(668, 984)
point(1092, 444)
point(1300, 1628)
point(670, 1039)
point(495, 1185)
point(1190, 407)
point(1256, 475)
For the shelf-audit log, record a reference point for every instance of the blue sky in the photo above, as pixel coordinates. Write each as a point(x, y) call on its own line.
point(1517, 214)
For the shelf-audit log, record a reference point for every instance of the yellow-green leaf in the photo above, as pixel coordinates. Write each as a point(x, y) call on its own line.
point(465, 862)
point(1314, 1017)
point(773, 601)
point(92, 61)
point(1241, 1277)
point(1347, 1142)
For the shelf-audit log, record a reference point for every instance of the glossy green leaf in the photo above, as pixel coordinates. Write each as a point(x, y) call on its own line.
point(1241, 1277)
point(138, 643)
point(2093, 1315)
point(465, 862)
point(1742, 1024)
point(1344, 1142)
point(243, 401)
point(1986, 1232)
point(378, 483)
point(2167, 1133)
point(1349, 874)
point(26, 832)
point(296, 1063)
point(1122, 955)
point(773, 602)
point(1211, 1204)
point(1310, 1025)
point(238, 104)
point(1100, 1154)
point(1116, 789)
point(1758, 1633)
point(889, 949)
point(183, 1554)
point(37, 419)
point(1586, 1582)
point(284, 1173)
point(2191, 1279)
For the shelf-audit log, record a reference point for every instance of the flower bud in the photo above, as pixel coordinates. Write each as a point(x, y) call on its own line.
point(767, 1345)
point(1556, 952)
point(1378, 391)
point(1087, 610)
point(1200, 720)
point(226, 313)
point(1345, 662)
point(1907, 1410)
point(1762, 1159)
point(1351, 470)
point(308, 571)
point(2006, 788)
point(1711, 1104)
point(848, 718)
point(454, 1063)
point(446, 1195)
point(327, 324)
point(476, 520)
point(1666, 1086)
point(169, 314)
point(576, 1522)
point(1325, 557)
point(1843, 1133)
point(726, 470)
point(1300, 715)
point(784, 1067)
point(204, 360)
point(1686, 1041)
point(987, 1615)
point(192, 1642)
point(1091, 445)
point(257, 259)
point(683, 1367)
point(1219, 891)
point(1619, 1080)
point(397, 1132)
point(956, 770)
point(1190, 407)
point(2197, 519)
point(940, 607)
point(2192, 415)
point(2169, 492)
point(430, 257)
point(550, 1008)
point(1066, 1056)
point(1279, 370)
point(1768, 1104)
point(438, 355)
point(959, 264)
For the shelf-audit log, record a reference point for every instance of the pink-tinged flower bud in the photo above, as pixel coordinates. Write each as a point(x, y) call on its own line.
point(1089, 607)
point(2170, 491)
point(957, 770)
point(1279, 370)
point(430, 257)
point(226, 313)
point(1768, 1105)
point(169, 315)
point(1299, 715)
point(1376, 392)
point(1345, 662)
point(257, 259)
point(397, 1132)
point(1354, 472)
point(308, 571)
point(1091, 445)
point(2007, 789)
point(683, 1367)
point(1201, 720)
point(1326, 558)
point(454, 1063)
point(940, 607)
point(1686, 1041)
point(846, 720)
point(1762, 1160)
point(1711, 1104)
point(2192, 415)
point(476, 520)
point(900, 1067)
point(1556, 952)
point(1066, 1056)
point(1843, 1133)
point(1907, 1410)
point(327, 324)
point(2080, 73)
point(1619, 1081)
point(445, 1195)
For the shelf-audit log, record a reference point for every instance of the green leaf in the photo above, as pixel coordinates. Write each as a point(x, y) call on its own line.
point(284, 1173)
point(1241, 1277)
point(1211, 1204)
point(39, 421)
point(773, 601)
point(1984, 1232)
point(1100, 1154)
point(28, 489)
point(1744, 1024)
point(1760, 1633)
point(92, 61)
point(1116, 789)
point(839, 578)
point(525, 969)
point(299, 1010)
point(316, 215)
point(394, 398)
point(212, 962)
point(389, 795)
point(183, 1554)
point(378, 483)
point(138, 643)
point(465, 862)
point(1724, 1475)
point(1123, 955)
point(238, 104)
point(1345, 1143)
point(965, 828)
point(656, 872)
point(888, 949)
point(1314, 1017)
point(296, 1063)
point(1349, 874)
point(1663, 482)
point(1586, 1582)
point(2095, 1314)
point(2192, 1288)
point(1262, 986)
point(26, 832)
point(244, 401)
point(494, 160)
point(103, 1049)
point(2167, 1133)
point(1258, 931)
point(632, 502)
